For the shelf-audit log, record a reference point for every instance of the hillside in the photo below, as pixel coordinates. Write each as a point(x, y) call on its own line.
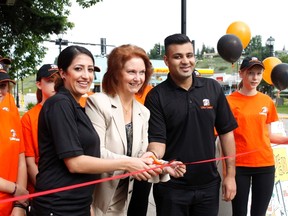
point(218, 64)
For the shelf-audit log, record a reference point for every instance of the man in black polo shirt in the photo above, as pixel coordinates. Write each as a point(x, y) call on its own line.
point(185, 110)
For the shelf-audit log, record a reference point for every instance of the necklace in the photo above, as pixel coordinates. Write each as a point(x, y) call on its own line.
point(126, 110)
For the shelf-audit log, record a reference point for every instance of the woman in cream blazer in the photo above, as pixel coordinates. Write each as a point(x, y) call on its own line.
point(121, 123)
point(106, 114)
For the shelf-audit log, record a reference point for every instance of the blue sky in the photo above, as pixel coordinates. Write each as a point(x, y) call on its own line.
point(146, 22)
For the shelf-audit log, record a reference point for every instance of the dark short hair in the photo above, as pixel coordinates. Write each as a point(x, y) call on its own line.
point(176, 39)
point(115, 63)
point(66, 57)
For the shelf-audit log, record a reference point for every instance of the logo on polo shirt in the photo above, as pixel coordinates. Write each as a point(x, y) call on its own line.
point(206, 104)
point(5, 109)
point(14, 135)
point(264, 111)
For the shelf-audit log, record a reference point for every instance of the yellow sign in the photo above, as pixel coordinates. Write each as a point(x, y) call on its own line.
point(205, 71)
point(202, 71)
point(281, 161)
point(161, 70)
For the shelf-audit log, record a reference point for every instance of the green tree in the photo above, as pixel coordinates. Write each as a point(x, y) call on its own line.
point(154, 54)
point(26, 25)
point(283, 57)
point(255, 48)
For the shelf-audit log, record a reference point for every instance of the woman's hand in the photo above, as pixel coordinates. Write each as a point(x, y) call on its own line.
point(145, 167)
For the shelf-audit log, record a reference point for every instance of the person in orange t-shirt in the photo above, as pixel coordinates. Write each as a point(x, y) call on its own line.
point(254, 112)
point(84, 97)
point(13, 173)
point(141, 98)
point(45, 89)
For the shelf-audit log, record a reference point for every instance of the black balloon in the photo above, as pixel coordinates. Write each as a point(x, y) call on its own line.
point(230, 47)
point(279, 76)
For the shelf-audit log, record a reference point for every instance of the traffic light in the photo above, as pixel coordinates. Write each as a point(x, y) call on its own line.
point(158, 49)
point(60, 41)
point(103, 46)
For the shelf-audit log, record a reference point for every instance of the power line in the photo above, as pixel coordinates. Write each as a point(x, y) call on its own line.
point(61, 42)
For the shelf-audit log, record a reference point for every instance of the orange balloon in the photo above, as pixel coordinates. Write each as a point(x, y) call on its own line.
point(269, 63)
point(241, 30)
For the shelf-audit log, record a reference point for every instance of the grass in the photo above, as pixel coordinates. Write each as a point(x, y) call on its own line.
point(28, 85)
point(21, 113)
point(283, 109)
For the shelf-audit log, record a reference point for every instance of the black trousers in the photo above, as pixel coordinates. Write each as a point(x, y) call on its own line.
point(140, 198)
point(261, 181)
point(172, 201)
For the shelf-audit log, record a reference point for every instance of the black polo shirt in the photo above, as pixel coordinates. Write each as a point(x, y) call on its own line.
point(185, 120)
point(64, 131)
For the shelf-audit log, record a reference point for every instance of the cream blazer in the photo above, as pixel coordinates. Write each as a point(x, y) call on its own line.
point(106, 114)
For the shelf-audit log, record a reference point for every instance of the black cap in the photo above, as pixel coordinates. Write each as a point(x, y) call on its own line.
point(248, 62)
point(46, 70)
point(97, 69)
point(5, 60)
point(4, 64)
point(4, 76)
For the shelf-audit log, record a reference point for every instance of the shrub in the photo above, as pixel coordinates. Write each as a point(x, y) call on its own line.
point(30, 105)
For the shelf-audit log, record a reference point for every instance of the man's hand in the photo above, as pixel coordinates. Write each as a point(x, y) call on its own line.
point(176, 169)
point(228, 188)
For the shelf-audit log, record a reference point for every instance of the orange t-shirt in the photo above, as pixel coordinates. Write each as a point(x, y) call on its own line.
point(141, 99)
point(11, 145)
point(253, 113)
point(30, 136)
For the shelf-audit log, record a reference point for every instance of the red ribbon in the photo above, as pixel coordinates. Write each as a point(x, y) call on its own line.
point(42, 193)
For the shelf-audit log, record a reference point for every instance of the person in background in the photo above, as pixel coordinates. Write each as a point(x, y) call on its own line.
point(254, 112)
point(184, 109)
point(141, 98)
point(13, 173)
point(84, 97)
point(69, 146)
point(121, 122)
point(45, 78)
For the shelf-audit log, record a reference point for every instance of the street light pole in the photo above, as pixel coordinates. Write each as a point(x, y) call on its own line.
point(270, 44)
point(61, 42)
point(183, 17)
